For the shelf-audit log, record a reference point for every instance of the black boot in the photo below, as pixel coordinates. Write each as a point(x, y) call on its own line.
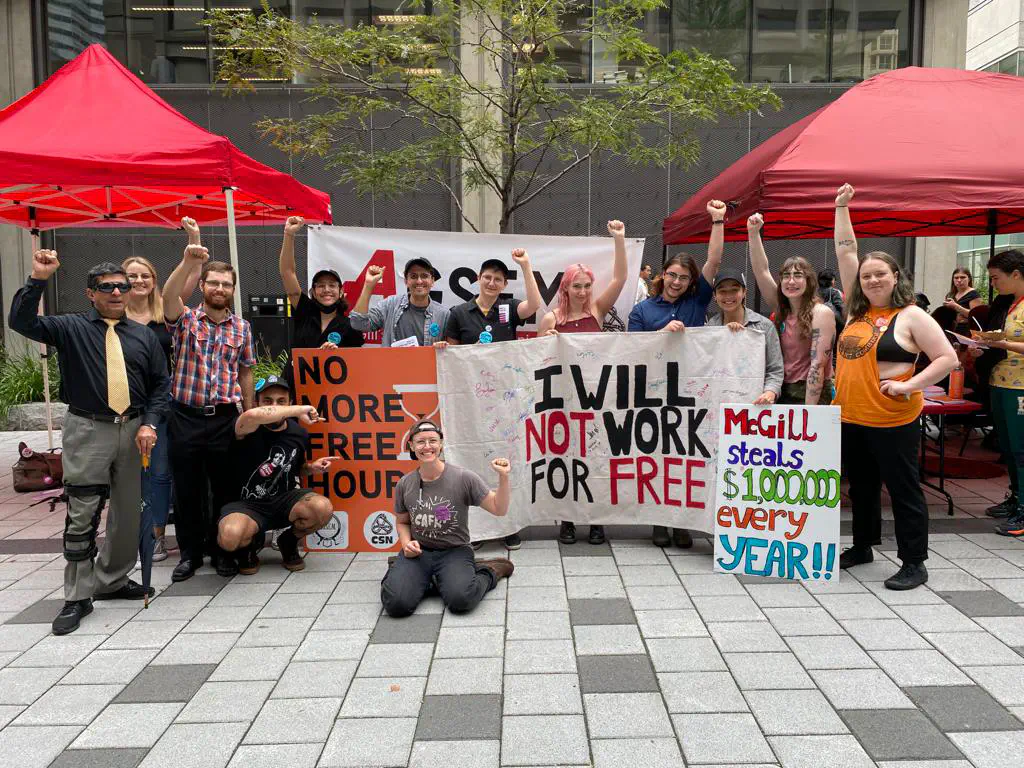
point(682, 538)
point(597, 534)
point(660, 536)
point(567, 532)
point(909, 576)
point(1005, 508)
point(71, 616)
point(852, 556)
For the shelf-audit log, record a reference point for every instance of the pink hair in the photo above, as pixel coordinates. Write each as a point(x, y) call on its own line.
point(562, 308)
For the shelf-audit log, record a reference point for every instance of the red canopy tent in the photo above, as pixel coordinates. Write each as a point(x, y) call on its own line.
point(930, 152)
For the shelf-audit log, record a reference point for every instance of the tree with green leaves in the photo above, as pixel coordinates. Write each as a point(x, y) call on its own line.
point(482, 83)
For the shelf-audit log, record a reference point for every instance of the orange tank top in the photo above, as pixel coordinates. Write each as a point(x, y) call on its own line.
point(857, 381)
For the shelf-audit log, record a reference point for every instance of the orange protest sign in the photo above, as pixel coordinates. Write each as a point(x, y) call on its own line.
point(368, 399)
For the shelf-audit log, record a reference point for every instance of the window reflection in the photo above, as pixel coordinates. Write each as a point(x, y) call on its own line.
point(790, 41)
point(718, 27)
point(870, 37)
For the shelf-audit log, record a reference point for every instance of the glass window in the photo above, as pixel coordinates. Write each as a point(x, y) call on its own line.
point(869, 37)
point(571, 53)
point(73, 25)
point(166, 43)
point(1008, 65)
point(718, 27)
point(347, 13)
point(790, 41)
point(608, 68)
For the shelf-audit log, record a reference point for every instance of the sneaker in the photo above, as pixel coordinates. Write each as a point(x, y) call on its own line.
point(226, 565)
point(682, 538)
point(290, 556)
point(1014, 526)
point(159, 550)
point(660, 536)
point(71, 616)
point(513, 541)
point(597, 534)
point(502, 567)
point(909, 576)
point(567, 532)
point(852, 556)
point(248, 559)
point(1005, 508)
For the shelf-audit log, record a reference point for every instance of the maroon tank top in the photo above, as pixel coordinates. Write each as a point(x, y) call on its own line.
point(584, 325)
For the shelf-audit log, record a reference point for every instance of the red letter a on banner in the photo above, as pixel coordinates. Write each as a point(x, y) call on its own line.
point(386, 286)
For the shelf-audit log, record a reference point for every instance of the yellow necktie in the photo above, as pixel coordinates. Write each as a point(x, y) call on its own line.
point(117, 375)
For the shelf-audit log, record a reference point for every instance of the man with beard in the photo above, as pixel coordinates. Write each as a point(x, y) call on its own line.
point(212, 382)
point(411, 317)
point(269, 456)
point(114, 380)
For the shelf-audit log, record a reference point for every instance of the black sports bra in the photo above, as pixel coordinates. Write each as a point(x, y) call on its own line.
point(889, 350)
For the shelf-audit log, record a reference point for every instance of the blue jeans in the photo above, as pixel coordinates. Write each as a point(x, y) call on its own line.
point(156, 481)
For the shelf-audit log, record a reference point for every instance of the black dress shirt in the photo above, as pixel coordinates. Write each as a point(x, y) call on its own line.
point(81, 341)
point(306, 330)
point(466, 322)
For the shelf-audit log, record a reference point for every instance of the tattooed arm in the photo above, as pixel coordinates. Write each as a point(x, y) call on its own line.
point(823, 330)
point(846, 241)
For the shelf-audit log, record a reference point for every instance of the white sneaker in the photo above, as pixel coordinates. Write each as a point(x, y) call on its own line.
point(160, 550)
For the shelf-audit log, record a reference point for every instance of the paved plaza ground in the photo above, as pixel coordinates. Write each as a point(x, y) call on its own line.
point(612, 655)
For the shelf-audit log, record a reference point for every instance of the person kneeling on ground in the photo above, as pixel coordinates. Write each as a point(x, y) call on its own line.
point(269, 457)
point(432, 506)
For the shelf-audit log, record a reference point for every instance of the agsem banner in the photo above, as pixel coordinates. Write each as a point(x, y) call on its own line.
point(777, 506)
point(458, 255)
point(601, 428)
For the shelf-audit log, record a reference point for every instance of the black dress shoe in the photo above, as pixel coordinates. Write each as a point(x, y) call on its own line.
point(597, 534)
point(226, 566)
point(130, 591)
point(71, 615)
point(852, 556)
point(909, 576)
point(682, 538)
point(184, 570)
point(567, 532)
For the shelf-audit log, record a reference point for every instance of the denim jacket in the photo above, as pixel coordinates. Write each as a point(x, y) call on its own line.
point(385, 315)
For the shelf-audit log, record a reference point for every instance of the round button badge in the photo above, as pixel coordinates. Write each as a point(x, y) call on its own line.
point(334, 337)
point(435, 330)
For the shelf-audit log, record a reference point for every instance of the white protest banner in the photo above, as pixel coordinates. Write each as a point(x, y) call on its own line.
point(777, 500)
point(600, 428)
point(458, 255)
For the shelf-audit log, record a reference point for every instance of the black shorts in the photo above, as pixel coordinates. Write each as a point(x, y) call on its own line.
point(270, 514)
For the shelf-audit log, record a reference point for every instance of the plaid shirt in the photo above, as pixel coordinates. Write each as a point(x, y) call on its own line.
point(207, 356)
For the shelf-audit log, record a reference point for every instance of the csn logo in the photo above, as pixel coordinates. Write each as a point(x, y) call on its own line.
point(380, 530)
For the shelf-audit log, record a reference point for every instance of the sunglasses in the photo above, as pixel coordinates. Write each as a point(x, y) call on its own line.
point(111, 287)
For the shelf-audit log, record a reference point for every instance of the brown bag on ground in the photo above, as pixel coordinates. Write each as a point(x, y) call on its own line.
point(37, 471)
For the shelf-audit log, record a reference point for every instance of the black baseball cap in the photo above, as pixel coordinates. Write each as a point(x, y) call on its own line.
point(419, 261)
point(495, 265)
point(272, 381)
point(425, 426)
point(730, 274)
point(328, 272)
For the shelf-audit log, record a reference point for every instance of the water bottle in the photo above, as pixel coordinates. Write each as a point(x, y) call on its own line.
point(956, 383)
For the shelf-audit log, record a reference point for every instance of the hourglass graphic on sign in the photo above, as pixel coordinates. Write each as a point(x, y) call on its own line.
point(418, 397)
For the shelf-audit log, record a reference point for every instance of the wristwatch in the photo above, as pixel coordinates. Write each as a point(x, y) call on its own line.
point(151, 426)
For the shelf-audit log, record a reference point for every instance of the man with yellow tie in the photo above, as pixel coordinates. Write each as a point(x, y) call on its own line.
point(114, 380)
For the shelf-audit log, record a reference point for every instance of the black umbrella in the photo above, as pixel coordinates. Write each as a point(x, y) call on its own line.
point(147, 540)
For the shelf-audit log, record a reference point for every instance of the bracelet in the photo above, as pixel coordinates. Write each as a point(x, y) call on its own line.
point(843, 206)
point(720, 221)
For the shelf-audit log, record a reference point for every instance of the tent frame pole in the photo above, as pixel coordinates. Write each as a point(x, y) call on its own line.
point(229, 202)
point(44, 353)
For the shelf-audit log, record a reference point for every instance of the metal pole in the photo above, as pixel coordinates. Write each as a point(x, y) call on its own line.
point(44, 356)
point(991, 253)
point(229, 201)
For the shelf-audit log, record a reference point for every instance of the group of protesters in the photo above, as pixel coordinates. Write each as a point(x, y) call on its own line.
point(150, 381)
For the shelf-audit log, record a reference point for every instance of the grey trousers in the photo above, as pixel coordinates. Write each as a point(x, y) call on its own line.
point(99, 453)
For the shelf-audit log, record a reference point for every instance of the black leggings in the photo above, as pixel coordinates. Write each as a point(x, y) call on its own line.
point(460, 580)
point(876, 455)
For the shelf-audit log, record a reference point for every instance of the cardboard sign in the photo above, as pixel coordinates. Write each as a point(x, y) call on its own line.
point(777, 500)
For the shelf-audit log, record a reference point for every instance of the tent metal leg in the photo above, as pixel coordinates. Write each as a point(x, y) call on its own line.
point(43, 358)
point(229, 199)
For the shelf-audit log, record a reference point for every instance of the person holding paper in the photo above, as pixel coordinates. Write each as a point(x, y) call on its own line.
point(410, 320)
point(962, 298)
point(577, 311)
point(806, 327)
point(881, 399)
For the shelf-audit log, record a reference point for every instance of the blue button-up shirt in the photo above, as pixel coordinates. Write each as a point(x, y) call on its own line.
point(654, 313)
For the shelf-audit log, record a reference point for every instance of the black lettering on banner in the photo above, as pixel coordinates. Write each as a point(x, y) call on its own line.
point(335, 369)
point(393, 408)
point(647, 440)
point(671, 418)
point(695, 419)
point(455, 279)
point(640, 399)
point(309, 369)
point(622, 387)
point(620, 438)
point(547, 292)
point(591, 401)
point(547, 402)
point(674, 398)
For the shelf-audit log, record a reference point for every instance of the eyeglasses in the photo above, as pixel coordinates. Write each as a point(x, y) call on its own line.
point(432, 442)
point(423, 276)
point(111, 287)
point(139, 278)
point(677, 277)
point(215, 284)
point(793, 275)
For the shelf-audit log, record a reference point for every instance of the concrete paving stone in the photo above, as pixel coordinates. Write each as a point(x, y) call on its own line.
point(781, 596)
point(32, 606)
point(658, 598)
point(685, 654)
point(891, 735)
point(10, 711)
point(693, 692)
point(1001, 749)
point(792, 622)
point(40, 579)
point(632, 555)
point(315, 678)
point(1009, 629)
point(885, 634)
point(589, 566)
point(829, 652)
point(616, 674)
point(538, 625)
point(467, 717)
point(381, 742)
point(720, 738)
point(727, 608)
point(348, 616)
point(601, 587)
point(1012, 588)
point(936, 618)
point(740, 636)
point(858, 606)
point(144, 634)
point(544, 740)
point(794, 713)
point(818, 751)
point(368, 570)
point(7, 657)
point(596, 611)
point(963, 708)
point(195, 745)
point(331, 561)
point(54, 651)
point(537, 599)
point(958, 548)
point(489, 613)
point(988, 541)
point(624, 753)
point(704, 584)
point(973, 648)
point(383, 697)
point(276, 755)
point(111, 667)
point(446, 754)
point(128, 725)
point(264, 633)
point(467, 642)
point(575, 550)
point(294, 721)
point(919, 668)
point(880, 570)
point(923, 764)
point(844, 586)
point(671, 623)
point(952, 580)
point(253, 664)
point(167, 682)
point(452, 677)
point(990, 568)
point(539, 575)
point(208, 584)
point(236, 702)
point(412, 629)
point(1006, 684)
point(68, 705)
point(983, 603)
point(320, 582)
point(860, 689)
point(35, 746)
point(920, 596)
point(167, 607)
point(25, 685)
point(243, 594)
point(648, 575)
point(333, 645)
point(282, 606)
point(21, 637)
point(355, 592)
point(755, 671)
point(396, 660)
point(197, 648)
point(99, 758)
point(607, 640)
point(524, 557)
point(524, 657)
point(542, 694)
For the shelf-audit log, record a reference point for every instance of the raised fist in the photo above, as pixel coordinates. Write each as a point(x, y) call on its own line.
point(293, 225)
point(44, 264)
point(519, 256)
point(755, 222)
point(309, 416)
point(373, 274)
point(616, 228)
point(716, 210)
point(197, 253)
point(844, 195)
point(501, 466)
point(190, 226)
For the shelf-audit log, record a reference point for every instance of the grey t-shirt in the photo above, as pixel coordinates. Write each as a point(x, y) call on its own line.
point(439, 509)
point(410, 323)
